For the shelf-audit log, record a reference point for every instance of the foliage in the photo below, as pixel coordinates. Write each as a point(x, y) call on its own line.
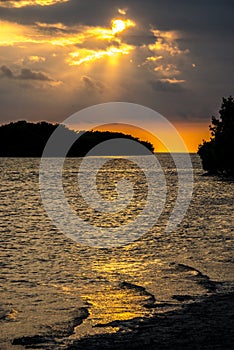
point(217, 155)
point(24, 139)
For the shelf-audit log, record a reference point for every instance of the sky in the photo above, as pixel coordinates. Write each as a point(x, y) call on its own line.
point(60, 56)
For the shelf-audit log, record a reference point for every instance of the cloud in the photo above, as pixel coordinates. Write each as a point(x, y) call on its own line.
point(28, 74)
point(81, 56)
point(123, 11)
point(164, 52)
point(168, 85)
point(92, 84)
point(82, 43)
point(53, 27)
point(89, 44)
point(173, 81)
point(25, 3)
point(121, 55)
point(35, 59)
point(167, 70)
point(198, 17)
point(25, 74)
point(166, 41)
point(138, 65)
point(6, 72)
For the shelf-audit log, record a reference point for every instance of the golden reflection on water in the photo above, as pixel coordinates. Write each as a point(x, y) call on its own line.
point(109, 305)
point(115, 304)
point(46, 278)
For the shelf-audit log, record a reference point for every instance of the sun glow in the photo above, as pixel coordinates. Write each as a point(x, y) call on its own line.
point(192, 133)
point(119, 48)
point(119, 25)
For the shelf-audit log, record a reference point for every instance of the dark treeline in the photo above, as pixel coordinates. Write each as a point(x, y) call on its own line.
point(25, 139)
point(217, 155)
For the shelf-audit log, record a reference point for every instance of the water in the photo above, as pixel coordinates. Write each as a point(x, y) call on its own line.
point(46, 277)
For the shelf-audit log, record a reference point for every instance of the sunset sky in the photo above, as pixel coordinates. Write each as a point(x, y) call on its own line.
point(174, 56)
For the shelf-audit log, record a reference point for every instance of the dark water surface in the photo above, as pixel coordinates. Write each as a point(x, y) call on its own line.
point(49, 284)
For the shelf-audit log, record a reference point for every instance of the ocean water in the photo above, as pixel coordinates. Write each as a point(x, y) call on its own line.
point(48, 280)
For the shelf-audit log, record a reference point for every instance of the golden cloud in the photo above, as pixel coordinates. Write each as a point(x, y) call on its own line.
point(167, 69)
point(12, 33)
point(24, 3)
point(36, 59)
point(165, 41)
point(153, 58)
point(80, 45)
point(165, 55)
point(81, 56)
point(123, 11)
point(173, 81)
point(89, 39)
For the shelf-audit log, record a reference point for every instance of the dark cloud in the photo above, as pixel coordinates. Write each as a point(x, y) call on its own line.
point(53, 28)
point(138, 40)
point(25, 74)
point(71, 12)
point(93, 84)
point(6, 72)
point(31, 75)
point(193, 16)
point(166, 86)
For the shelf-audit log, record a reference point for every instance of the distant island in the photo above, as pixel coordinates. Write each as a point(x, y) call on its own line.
point(217, 155)
point(26, 139)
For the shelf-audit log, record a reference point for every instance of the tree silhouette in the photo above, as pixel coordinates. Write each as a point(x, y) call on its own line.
point(217, 155)
point(24, 139)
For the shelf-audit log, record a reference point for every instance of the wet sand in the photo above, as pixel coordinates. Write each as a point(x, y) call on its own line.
point(204, 324)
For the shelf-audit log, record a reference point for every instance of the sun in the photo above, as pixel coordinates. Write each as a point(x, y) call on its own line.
point(118, 26)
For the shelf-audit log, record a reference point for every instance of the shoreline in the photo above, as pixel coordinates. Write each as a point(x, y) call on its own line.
point(205, 324)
